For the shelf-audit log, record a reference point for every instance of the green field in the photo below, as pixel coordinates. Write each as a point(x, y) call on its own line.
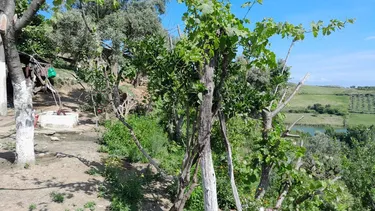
point(315, 119)
point(360, 105)
point(301, 101)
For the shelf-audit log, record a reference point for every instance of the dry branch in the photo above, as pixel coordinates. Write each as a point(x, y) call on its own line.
point(230, 162)
point(282, 105)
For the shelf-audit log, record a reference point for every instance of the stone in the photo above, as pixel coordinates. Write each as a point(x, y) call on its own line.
point(53, 138)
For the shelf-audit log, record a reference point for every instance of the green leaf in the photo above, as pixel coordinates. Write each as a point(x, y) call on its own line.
point(260, 1)
point(57, 2)
point(206, 8)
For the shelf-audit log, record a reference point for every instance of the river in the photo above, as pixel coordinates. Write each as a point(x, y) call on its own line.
point(313, 129)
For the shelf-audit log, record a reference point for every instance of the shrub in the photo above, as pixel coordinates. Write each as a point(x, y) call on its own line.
point(124, 188)
point(57, 197)
point(118, 141)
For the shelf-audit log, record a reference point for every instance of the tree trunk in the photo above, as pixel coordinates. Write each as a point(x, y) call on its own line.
point(266, 167)
point(22, 89)
point(204, 134)
point(3, 81)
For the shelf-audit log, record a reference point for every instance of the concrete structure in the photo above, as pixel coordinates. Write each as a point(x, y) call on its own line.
point(50, 119)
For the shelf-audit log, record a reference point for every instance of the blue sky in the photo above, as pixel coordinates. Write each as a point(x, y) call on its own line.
point(344, 58)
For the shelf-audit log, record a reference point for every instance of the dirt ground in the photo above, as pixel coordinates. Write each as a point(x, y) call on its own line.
point(61, 164)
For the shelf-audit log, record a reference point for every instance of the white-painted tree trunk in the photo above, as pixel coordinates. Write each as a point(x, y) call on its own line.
point(24, 122)
point(3, 81)
point(204, 139)
point(209, 180)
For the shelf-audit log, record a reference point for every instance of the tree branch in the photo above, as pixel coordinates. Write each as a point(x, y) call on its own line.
point(287, 134)
point(283, 97)
point(285, 61)
point(230, 162)
point(115, 107)
point(288, 184)
point(28, 14)
point(84, 18)
point(282, 105)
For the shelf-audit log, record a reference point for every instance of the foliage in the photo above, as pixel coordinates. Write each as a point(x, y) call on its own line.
point(32, 207)
point(57, 197)
point(90, 205)
point(326, 109)
point(125, 188)
point(117, 141)
point(34, 39)
point(359, 170)
point(78, 44)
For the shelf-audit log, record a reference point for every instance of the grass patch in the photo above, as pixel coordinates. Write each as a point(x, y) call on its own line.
point(315, 119)
point(326, 90)
point(32, 207)
point(93, 171)
point(90, 205)
point(361, 119)
point(301, 101)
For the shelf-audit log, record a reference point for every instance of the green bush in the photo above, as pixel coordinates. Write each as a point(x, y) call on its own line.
point(118, 141)
point(124, 188)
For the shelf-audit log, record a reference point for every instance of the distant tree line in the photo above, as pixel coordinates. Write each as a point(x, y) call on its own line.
point(363, 87)
point(319, 108)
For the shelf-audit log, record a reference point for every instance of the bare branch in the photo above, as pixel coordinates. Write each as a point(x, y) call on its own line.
point(28, 14)
point(285, 61)
point(130, 128)
point(294, 123)
point(230, 162)
point(283, 96)
point(282, 105)
point(84, 17)
point(179, 32)
point(251, 6)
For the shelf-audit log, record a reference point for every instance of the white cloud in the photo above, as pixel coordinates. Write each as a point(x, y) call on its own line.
point(370, 38)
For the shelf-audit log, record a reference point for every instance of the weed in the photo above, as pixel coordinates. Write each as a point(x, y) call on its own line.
point(125, 188)
point(93, 171)
point(79, 209)
point(32, 207)
point(90, 205)
point(26, 166)
point(57, 197)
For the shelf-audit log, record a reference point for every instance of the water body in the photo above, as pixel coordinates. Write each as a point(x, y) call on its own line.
point(314, 129)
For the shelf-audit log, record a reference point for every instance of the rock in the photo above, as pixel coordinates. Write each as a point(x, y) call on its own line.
point(53, 138)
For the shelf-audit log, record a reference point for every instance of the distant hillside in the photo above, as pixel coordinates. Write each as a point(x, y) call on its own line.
point(337, 106)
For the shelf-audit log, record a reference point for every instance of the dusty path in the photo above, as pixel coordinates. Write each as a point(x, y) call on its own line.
point(64, 173)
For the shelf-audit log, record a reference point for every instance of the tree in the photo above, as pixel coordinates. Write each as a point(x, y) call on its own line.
point(22, 87)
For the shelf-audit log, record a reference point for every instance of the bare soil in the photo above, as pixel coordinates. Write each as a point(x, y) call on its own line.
point(62, 165)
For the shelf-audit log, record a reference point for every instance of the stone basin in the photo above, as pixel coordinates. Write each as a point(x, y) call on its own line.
point(50, 119)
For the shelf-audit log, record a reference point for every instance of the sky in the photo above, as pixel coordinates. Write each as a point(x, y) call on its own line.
point(344, 58)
